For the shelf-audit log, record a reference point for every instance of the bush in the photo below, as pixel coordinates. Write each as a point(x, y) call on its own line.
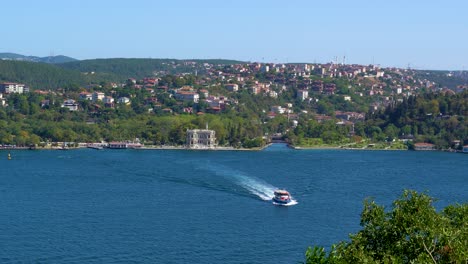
point(412, 232)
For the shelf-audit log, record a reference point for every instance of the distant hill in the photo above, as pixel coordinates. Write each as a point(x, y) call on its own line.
point(140, 68)
point(48, 59)
point(46, 76)
point(49, 73)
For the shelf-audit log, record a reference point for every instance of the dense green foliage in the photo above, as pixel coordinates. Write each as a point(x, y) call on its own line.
point(443, 78)
point(53, 76)
point(139, 68)
point(25, 123)
point(432, 117)
point(412, 232)
point(45, 76)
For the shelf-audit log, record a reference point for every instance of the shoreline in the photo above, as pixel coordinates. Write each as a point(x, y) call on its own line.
point(150, 147)
point(140, 148)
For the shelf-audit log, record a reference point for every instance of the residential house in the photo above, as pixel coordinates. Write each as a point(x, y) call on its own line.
point(98, 96)
point(277, 109)
point(8, 87)
point(317, 86)
point(45, 103)
point(2, 100)
point(70, 104)
point(329, 88)
point(302, 94)
point(321, 118)
point(108, 101)
point(187, 96)
point(86, 96)
point(424, 146)
point(188, 110)
point(123, 100)
point(150, 82)
point(255, 89)
point(232, 87)
point(205, 93)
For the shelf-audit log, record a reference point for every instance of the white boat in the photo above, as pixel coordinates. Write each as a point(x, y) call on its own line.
point(282, 197)
point(95, 146)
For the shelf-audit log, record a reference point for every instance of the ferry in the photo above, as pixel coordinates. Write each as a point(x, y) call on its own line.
point(282, 197)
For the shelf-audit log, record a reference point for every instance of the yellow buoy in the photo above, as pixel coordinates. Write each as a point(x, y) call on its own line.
point(9, 156)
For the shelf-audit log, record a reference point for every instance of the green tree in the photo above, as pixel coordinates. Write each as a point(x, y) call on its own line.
point(412, 232)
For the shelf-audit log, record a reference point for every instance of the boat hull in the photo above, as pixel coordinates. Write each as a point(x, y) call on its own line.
point(278, 201)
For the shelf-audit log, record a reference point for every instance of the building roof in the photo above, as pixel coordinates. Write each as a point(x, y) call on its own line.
point(423, 144)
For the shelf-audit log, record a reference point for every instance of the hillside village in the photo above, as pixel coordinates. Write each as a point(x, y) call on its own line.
point(322, 92)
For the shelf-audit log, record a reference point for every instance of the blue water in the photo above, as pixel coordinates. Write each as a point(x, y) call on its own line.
point(130, 206)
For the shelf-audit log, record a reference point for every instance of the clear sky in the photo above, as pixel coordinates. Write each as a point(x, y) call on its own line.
point(430, 34)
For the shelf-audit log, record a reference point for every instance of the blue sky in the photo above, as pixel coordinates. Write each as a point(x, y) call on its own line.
point(423, 34)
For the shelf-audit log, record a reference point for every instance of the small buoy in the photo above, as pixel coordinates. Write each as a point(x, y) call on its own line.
point(9, 156)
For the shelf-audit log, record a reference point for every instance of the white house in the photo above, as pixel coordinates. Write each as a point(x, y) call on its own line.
point(8, 87)
point(277, 109)
point(2, 100)
point(70, 104)
point(86, 96)
point(98, 96)
point(187, 96)
point(123, 100)
point(108, 100)
point(303, 94)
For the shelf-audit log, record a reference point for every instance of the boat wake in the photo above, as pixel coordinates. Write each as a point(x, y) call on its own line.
point(222, 178)
point(253, 185)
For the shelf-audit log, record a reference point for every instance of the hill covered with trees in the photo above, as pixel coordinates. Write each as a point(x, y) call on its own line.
point(49, 76)
point(39, 75)
point(140, 68)
point(47, 59)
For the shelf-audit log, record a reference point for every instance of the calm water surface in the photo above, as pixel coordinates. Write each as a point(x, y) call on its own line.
point(127, 206)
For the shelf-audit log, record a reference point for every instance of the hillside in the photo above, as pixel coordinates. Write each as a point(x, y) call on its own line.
point(140, 68)
point(444, 78)
point(47, 59)
point(44, 76)
point(15, 68)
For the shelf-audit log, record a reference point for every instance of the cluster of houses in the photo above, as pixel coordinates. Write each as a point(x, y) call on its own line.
point(307, 80)
point(11, 87)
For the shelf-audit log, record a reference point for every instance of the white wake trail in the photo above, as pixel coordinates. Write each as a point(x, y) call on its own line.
point(253, 185)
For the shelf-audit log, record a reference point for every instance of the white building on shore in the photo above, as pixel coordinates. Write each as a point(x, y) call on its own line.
point(201, 139)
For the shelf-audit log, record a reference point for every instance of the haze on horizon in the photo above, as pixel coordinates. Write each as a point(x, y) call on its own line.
point(419, 34)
